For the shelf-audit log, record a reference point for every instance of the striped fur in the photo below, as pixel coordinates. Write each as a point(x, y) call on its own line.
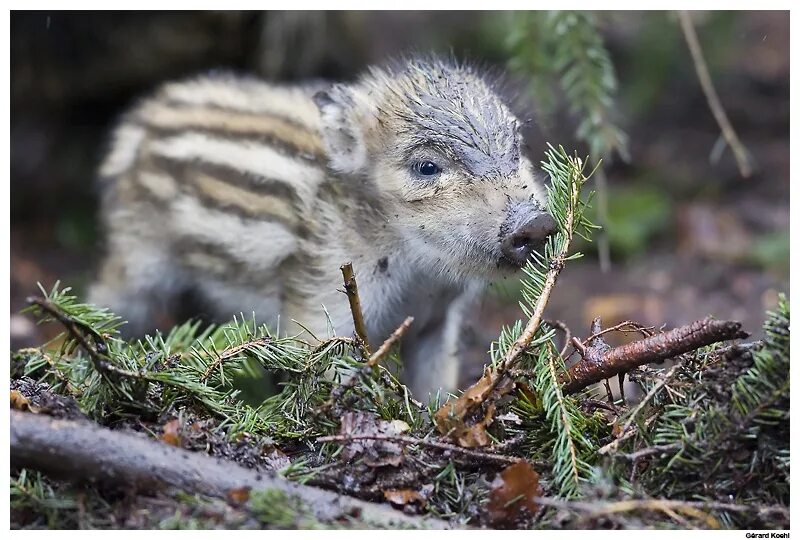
point(254, 194)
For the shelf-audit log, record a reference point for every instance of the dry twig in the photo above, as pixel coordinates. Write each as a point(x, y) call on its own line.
point(698, 509)
point(369, 365)
point(351, 290)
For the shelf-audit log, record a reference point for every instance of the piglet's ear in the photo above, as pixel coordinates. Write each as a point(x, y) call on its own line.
point(341, 134)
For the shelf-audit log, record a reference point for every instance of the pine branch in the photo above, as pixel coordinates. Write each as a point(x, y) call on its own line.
point(568, 467)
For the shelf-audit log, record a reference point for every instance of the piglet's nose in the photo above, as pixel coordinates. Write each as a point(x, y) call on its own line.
point(518, 244)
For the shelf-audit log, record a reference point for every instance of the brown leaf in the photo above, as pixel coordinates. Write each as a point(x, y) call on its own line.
point(404, 497)
point(239, 495)
point(172, 433)
point(466, 418)
point(21, 403)
point(513, 493)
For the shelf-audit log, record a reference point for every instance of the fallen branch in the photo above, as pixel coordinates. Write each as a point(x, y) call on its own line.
point(85, 451)
point(351, 290)
point(601, 362)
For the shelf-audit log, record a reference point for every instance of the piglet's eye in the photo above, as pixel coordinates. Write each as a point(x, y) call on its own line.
point(427, 168)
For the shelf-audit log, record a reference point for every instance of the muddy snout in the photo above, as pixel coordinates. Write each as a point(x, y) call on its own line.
point(521, 237)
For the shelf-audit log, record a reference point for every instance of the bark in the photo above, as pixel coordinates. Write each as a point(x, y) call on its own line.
point(601, 362)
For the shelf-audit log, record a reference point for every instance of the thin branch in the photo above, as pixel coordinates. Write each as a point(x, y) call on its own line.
point(85, 451)
point(561, 325)
point(651, 450)
point(603, 243)
point(466, 452)
point(390, 341)
point(739, 151)
point(624, 326)
point(351, 290)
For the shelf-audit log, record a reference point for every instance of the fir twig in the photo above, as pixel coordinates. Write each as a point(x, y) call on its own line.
point(78, 331)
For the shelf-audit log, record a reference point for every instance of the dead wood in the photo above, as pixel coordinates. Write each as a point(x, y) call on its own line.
point(85, 451)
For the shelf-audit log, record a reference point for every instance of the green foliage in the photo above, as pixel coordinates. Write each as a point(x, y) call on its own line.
point(565, 46)
point(570, 449)
point(32, 494)
point(195, 368)
point(636, 215)
point(771, 251)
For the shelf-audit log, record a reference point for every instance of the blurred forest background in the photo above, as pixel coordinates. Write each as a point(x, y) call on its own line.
point(688, 235)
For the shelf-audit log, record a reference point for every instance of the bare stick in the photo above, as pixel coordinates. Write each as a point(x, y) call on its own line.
point(351, 290)
point(652, 450)
point(390, 341)
point(653, 349)
point(739, 151)
point(85, 451)
point(472, 454)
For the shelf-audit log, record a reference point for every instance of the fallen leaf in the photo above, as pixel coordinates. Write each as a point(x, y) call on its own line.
point(513, 493)
point(239, 495)
point(404, 497)
point(172, 433)
point(466, 419)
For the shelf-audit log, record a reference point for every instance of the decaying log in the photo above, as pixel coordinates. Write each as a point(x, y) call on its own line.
point(86, 451)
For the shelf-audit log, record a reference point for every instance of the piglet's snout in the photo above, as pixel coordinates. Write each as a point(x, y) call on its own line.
point(523, 238)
